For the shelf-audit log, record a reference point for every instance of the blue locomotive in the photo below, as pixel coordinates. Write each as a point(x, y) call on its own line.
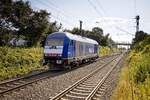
point(66, 49)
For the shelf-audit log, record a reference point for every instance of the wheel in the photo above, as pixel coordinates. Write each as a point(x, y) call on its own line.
point(67, 67)
point(50, 65)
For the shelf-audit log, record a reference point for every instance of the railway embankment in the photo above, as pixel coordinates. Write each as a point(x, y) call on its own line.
point(16, 62)
point(51, 86)
point(134, 82)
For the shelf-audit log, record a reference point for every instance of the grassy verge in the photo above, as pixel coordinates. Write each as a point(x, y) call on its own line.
point(134, 83)
point(19, 61)
point(107, 51)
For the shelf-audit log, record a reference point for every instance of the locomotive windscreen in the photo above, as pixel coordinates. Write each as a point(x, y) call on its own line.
point(54, 42)
point(53, 47)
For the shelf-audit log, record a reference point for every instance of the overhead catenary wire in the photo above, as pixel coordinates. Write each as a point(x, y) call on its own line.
point(66, 13)
point(63, 16)
point(47, 6)
point(95, 8)
point(70, 15)
point(55, 17)
point(105, 13)
point(50, 6)
point(99, 13)
point(124, 30)
point(101, 7)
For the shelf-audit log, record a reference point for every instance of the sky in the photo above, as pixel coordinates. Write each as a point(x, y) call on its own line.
point(116, 17)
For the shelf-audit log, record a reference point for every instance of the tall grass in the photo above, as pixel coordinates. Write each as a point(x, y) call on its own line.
point(18, 61)
point(107, 51)
point(134, 83)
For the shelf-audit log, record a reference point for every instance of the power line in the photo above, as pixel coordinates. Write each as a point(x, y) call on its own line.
point(48, 6)
point(124, 30)
point(99, 13)
point(63, 11)
point(55, 17)
point(52, 7)
point(106, 14)
point(67, 15)
point(58, 19)
point(101, 7)
point(95, 8)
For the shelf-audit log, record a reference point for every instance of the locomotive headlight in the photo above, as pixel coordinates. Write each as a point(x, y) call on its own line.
point(46, 54)
point(58, 61)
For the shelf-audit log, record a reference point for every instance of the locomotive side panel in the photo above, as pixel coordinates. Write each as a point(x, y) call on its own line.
point(71, 49)
point(77, 47)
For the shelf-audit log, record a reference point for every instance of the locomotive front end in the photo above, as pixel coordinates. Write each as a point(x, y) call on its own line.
point(53, 51)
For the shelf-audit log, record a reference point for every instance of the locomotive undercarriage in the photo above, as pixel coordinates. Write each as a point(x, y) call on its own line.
point(59, 63)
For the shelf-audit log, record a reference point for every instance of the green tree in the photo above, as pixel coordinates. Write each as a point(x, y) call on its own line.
point(17, 18)
point(97, 30)
point(95, 34)
point(139, 36)
point(5, 26)
point(36, 28)
point(141, 45)
point(75, 31)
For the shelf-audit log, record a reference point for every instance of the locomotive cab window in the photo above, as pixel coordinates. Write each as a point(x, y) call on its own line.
point(54, 42)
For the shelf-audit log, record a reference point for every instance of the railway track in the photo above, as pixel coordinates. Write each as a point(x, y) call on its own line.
point(8, 86)
point(88, 88)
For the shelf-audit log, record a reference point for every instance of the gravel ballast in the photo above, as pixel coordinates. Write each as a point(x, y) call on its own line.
point(49, 87)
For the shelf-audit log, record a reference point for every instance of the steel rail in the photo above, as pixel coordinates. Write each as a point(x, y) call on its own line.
point(20, 78)
point(23, 83)
point(60, 95)
point(102, 81)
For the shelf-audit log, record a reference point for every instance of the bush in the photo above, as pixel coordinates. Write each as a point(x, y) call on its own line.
point(141, 45)
point(107, 51)
point(140, 66)
point(137, 86)
point(19, 61)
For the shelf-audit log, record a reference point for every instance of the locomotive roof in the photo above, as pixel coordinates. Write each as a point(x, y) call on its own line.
point(73, 37)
